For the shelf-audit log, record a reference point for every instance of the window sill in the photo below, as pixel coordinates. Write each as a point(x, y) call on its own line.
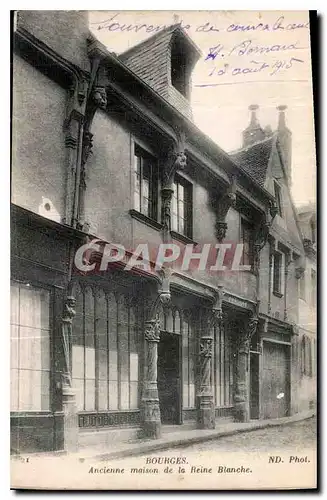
point(145, 219)
point(277, 294)
point(182, 238)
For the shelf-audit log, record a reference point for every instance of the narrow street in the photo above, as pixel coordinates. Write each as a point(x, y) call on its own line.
point(282, 456)
point(295, 436)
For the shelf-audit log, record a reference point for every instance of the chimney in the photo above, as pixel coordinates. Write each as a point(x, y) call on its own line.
point(253, 133)
point(285, 140)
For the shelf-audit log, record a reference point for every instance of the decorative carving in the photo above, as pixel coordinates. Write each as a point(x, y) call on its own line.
point(70, 141)
point(205, 357)
point(176, 161)
point(152, 330)
point(99, 97)
point(152, 411)
point(221, 229)
point(223, 204)
point(87, 147)
point(241, 395)
point(166, 196)
point(244, 340)
point(82, 91)
point(206, 347)
point(299, 272)
point(67, 320)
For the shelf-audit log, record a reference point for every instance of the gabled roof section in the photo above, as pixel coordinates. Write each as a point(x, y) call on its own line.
point(255, 159)
point(151, 60)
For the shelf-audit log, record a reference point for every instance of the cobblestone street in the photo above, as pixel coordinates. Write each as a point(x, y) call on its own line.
point(295, 436)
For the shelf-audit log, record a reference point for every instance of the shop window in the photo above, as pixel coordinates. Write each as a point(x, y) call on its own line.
point(182, 207)
point(222, 368)
point(145, 183)
point(189, 361)
point(105, 352)
point(30, 348)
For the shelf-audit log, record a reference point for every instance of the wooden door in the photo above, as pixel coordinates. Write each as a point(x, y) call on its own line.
point(275, 380)
point(169, 378)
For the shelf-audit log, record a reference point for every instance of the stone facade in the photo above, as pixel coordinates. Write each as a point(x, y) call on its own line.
point(204, 334)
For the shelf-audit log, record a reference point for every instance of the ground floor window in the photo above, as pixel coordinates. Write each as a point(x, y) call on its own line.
point(106, 346)
point(30, 348)
point(222, 368)
point(189, 350)
point(306, 356)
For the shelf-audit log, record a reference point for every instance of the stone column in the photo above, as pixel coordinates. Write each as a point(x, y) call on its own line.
point(68, 394)
point(206, 409)
point(241, 394)
point(150, 399)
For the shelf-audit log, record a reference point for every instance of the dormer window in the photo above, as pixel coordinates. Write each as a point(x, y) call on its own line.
point(278, 198)
point(179, 68)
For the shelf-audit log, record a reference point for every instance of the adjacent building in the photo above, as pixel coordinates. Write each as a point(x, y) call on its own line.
point(104, 147)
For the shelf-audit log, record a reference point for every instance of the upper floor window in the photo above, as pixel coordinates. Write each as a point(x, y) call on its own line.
point(181, 221)
point(145, 183)
point(278, 277)
point(278, 198)
point(179, 73)
point(247, 235)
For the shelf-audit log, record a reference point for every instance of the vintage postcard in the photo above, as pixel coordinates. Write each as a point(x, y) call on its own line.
point(163, 230)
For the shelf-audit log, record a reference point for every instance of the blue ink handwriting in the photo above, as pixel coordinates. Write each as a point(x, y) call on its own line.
point(255, 67)
point(113, 24)
point(246, 48)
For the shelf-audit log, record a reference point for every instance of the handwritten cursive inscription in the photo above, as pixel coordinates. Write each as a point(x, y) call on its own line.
point(113, 24)
point(251, 68)
point(278, 25)
point(247, 48)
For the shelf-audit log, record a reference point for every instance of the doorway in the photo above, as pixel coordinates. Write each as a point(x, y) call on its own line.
point(276, 380)
point(169, 382)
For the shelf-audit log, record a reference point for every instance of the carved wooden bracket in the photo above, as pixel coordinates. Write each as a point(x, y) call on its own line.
point(175, 161)
point(227, 201)
point(299, 272)
point(216, 317)
point(96, 99)
point(164, 295)
point(243, 341)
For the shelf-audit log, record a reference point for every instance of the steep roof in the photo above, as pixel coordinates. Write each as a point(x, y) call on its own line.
point(254, 159)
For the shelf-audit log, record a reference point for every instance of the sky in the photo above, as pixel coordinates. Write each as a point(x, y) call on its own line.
point(248, 57)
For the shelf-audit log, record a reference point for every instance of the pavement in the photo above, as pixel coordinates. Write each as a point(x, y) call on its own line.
point(177, 439)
